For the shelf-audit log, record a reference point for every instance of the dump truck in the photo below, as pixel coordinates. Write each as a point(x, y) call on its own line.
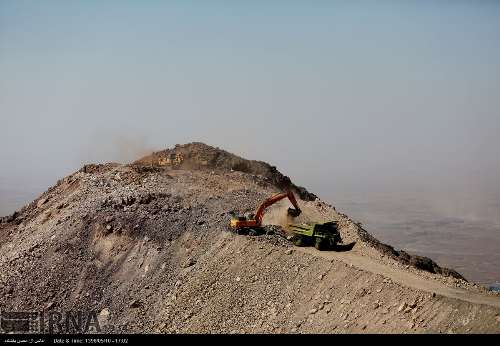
point(322, 235)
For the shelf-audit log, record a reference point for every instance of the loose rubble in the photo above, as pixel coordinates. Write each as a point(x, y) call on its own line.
point(147, 246)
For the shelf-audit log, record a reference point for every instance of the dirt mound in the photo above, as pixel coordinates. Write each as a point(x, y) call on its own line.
point(146, 246)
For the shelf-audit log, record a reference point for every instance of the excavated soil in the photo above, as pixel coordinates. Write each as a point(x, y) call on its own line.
point(147, 246)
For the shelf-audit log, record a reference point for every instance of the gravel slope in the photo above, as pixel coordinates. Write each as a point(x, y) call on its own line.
point(146, 245)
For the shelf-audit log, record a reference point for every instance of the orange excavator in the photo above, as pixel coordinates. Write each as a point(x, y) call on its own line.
point(241, 224)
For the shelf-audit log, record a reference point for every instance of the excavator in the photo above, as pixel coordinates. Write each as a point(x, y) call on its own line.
point(243, 225)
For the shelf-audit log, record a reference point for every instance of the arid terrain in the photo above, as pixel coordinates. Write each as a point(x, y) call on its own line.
point(147, 246)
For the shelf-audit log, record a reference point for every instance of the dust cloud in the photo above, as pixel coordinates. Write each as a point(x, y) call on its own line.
point(277, 214)
point(115, 148)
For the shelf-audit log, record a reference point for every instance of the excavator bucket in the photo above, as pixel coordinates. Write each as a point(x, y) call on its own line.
point(294, 212)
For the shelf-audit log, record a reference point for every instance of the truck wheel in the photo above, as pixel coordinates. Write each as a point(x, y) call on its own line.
point(297, 240)
point(319, 244)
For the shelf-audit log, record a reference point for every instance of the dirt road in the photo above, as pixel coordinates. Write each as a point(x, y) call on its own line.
point(404, 278)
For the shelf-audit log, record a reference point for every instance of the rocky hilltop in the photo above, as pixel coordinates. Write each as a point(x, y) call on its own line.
point(146, 246)
point(199, 156)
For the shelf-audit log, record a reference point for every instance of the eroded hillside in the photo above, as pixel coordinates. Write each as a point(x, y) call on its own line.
point(147, 246)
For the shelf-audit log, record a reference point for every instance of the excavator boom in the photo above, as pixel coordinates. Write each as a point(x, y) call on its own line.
point(274, 199)
point(257, 221)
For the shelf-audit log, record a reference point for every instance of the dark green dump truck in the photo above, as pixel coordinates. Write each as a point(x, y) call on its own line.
point(322, 235)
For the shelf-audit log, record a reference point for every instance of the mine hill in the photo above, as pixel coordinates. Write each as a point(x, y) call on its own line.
point(147, 246)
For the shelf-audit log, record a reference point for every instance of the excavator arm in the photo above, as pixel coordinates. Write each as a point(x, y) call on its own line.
point(274, 199)
point(238, 223)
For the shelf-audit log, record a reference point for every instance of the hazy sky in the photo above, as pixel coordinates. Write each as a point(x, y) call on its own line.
point(340, 95)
